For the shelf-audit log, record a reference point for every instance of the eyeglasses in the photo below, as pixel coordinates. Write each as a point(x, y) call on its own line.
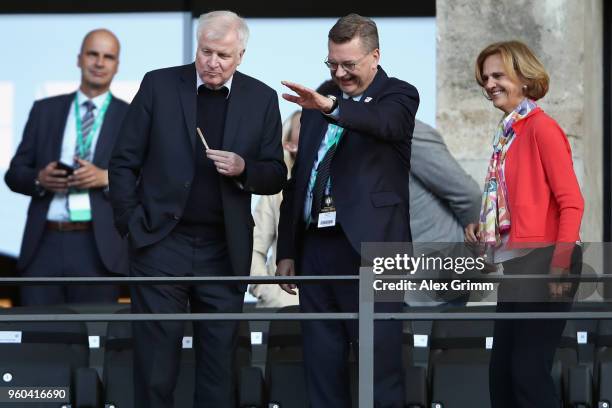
point(348, 66)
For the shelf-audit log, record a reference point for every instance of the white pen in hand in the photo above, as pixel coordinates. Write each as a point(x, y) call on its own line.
point(202, 138)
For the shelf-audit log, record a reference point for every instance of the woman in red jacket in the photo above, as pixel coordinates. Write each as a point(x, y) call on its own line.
point(530, 220)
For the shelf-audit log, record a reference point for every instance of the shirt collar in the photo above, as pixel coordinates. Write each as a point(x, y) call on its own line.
point(97, 101)
point(228, 84)
point(356, 98)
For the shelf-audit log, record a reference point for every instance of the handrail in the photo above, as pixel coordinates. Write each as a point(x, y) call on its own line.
point(366, 315)
point(130, 280)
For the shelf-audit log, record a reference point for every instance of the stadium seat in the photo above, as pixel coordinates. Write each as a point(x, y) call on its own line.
point(47, 354)
point(118, 369)
point(460, 349)
point(284, 364)
point(415, 377)
point(285, 371)
point(603, 364)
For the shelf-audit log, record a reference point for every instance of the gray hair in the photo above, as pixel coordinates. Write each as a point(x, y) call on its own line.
point(218, 23)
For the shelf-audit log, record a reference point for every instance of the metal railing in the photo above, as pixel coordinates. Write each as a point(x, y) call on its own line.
point(365, 315)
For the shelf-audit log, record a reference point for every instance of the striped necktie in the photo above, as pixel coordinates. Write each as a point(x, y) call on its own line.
point(323, 172)
point(86, 125)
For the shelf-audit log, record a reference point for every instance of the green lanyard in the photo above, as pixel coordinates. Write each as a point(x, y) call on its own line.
point(333, 140)
point(336, 134)
point(83, 146)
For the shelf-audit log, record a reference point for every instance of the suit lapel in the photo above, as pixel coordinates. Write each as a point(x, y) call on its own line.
point(375, 87)
point(314, 142)
point(236, 106)
point(188, 96)
point(105, 140)
point(57, 133)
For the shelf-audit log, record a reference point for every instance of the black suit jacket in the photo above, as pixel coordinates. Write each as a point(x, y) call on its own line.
point(369, 171)
point(153, 164)
point(41, 144)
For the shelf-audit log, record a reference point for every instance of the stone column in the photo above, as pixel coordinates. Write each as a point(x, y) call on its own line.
point(567, 37)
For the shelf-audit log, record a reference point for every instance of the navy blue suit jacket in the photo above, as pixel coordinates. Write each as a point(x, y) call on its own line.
point(369, 171)
point(153, 164)
point(42, 144)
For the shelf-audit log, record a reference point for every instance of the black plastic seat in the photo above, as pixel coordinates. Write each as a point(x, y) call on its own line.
point(284, 365)
point(603, 363)
point(118, 369)
point(46, 354)
point(458, 349)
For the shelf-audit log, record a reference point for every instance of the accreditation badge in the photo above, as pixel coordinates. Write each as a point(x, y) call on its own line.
point(327, 215)
point(79, 207)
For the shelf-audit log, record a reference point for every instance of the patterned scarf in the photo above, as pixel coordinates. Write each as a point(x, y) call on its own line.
point(495, 214)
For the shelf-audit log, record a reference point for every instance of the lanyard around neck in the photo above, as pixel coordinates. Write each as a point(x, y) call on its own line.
point(335, 135)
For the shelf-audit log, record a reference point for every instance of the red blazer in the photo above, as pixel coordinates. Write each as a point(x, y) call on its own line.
point(544, 198)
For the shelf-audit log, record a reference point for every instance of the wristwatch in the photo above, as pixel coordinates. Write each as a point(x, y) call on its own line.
point(335, 103)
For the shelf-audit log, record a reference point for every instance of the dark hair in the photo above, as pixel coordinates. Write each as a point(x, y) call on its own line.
point(354, 25)
point(328, 87)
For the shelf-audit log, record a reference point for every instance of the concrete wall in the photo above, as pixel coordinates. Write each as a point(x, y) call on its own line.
point(567, 37)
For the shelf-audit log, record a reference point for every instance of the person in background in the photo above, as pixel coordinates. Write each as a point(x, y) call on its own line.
point(61, 163)
point(265, 234)
point(530, 219)
point(444, 199)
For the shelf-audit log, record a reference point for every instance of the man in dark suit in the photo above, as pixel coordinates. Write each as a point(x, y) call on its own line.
point(197, 141)
point(69, 230)
point(349, 185)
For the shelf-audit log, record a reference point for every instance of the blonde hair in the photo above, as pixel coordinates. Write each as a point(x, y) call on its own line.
point(520, 64)
point(286, 137)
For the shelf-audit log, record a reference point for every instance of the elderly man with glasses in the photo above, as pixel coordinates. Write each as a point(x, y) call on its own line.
point(349, 185)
